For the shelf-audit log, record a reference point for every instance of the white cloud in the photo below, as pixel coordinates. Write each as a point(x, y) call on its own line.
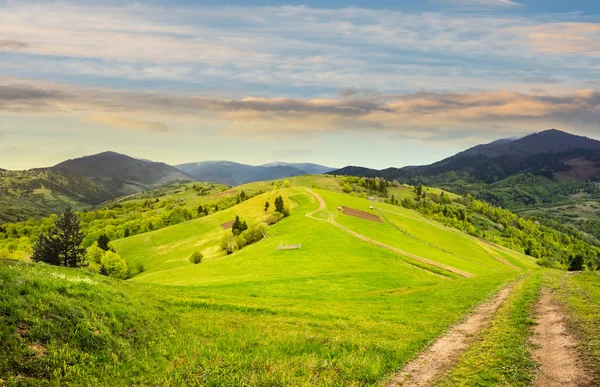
point(295, 47)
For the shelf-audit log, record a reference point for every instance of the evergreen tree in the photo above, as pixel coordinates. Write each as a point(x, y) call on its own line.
point(279, 205)
point(62, 247)
point(267, 206)
point(103, 242)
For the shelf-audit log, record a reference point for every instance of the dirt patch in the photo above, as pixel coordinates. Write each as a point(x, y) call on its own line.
point(446, 351)
point(361, 214)
point(224, 193)
point(39, 350)
point(228, 225)
point(556, 350)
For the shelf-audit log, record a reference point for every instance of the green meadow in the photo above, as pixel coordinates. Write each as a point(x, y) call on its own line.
point(340, 311)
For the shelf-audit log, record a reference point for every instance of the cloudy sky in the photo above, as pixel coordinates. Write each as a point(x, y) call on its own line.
point(333, 82)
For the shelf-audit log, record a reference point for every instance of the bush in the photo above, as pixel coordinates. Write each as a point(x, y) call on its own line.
point(241, 241)
point(255, 233)
point(228, 243)
point(114, 266)
point(94, 253)
point(93, 267)
point(275, 217)
point(196, 258)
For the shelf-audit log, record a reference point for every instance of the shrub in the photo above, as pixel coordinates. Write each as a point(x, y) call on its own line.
point(196, 258)
point(228, 243)
point(114, 266)
point(93, 267)
point(241, 241)
point(94, 253)
point(274, 218)
point(255, 233)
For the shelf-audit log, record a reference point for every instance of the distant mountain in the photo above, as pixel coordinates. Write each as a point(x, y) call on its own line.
point(43, 191)
point(308, 168)
point(123, 173)
point(539, 168)
point(227, 172)
point(545, 153)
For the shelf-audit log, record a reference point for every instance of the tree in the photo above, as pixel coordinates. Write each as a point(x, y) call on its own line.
point(286, 183)
point(200, 210)
point(103, 242)
point(242, 196)
point(94, 253)
point(196, 258)
point(576, 263)
point(267, 205)
point(238, 226)
point(114, 266)
point(228, 243)
point(62, 246)
point(279, 205)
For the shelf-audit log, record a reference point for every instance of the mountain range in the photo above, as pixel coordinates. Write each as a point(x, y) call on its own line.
point(539, 168)
point(227, 172)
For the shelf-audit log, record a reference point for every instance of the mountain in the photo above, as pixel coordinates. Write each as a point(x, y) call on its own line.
point(551, 153)
point(123, 173)
point(308, 168)
point(227, 172)
point(42, 191)
point(540, 168)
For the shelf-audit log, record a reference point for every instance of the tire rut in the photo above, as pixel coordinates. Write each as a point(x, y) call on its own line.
point(445, 352)
point(556, 349)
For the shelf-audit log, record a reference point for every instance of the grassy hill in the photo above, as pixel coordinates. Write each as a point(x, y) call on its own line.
point(39, 192)
point(359, 300)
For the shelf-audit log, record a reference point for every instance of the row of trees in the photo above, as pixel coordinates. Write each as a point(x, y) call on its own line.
point(366, 184)
point(241, 235)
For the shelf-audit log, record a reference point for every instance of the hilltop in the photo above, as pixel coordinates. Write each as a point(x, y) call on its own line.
point(123, 173)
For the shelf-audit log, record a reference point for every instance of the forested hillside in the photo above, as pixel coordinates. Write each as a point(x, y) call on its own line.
point(39, 192)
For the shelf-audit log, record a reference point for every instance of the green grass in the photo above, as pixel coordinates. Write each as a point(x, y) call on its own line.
point(338, 312)
point(63, 326)
point(500, 355)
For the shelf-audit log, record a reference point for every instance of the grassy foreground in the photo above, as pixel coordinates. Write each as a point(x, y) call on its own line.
point(339, 312)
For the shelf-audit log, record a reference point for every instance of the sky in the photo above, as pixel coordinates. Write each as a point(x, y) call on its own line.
point(376, 84)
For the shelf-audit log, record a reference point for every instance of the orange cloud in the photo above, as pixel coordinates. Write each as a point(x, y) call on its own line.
point(127, 123)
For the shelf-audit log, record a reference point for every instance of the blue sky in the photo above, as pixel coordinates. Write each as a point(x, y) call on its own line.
point(338, 83)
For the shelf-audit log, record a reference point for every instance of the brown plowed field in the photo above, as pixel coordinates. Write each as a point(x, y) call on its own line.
point(361, 214)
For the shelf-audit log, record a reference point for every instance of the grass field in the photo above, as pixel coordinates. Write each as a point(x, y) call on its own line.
point(338, 312)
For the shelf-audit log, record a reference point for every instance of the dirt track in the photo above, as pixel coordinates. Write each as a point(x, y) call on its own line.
point(331, 221)
point(444, 353)
point(556, 349)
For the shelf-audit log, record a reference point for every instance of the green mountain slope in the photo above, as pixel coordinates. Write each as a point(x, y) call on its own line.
point(39, 192)
point(123, 173)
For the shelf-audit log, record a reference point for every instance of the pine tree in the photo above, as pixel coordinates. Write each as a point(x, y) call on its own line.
point(62, 247)
point(103, 242)
point(279, 205)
